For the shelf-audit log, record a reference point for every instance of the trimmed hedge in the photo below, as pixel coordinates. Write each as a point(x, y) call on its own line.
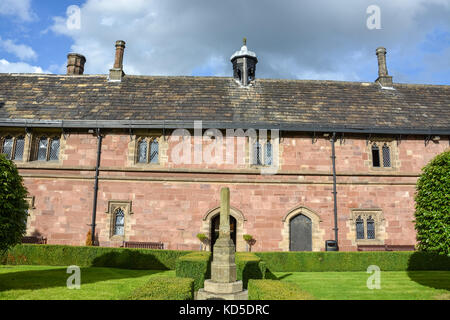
point(196, 265)
point(353, 261)
point(249, 266)
point(276, 290)
point(57, 255)
point(165, 288)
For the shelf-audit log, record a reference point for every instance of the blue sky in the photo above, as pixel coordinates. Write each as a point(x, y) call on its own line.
point(320, 39)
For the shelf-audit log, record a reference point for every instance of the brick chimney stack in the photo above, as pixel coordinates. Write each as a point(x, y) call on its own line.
point(116, 73)
point(75, 64)
point(383, 78)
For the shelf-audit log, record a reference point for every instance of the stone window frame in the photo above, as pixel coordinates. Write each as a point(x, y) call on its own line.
point(317, 232)
point(251, 154)
point(149, 140)
point(133, 149)
point(240, 226)
point(393, 152)
point(34, 146)
point(15, 135)
point(114, 205)
point(380, 227)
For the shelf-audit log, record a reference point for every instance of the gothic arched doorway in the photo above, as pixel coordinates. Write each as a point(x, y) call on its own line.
point(300, 233)
point(215, 224)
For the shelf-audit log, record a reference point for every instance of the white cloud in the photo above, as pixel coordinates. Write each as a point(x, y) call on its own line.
point(293, 39)
point(23, 52)
point(19, 67)
point(17, 8)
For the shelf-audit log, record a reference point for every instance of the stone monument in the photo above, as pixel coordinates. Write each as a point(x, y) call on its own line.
point(223, 284)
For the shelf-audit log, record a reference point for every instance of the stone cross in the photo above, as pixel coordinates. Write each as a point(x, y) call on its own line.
point(224, 228)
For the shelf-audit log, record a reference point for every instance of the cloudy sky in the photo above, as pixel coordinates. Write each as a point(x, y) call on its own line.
point(294, 39)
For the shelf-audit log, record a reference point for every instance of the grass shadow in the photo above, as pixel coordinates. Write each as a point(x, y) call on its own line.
point(420, 263)
point(57, 277)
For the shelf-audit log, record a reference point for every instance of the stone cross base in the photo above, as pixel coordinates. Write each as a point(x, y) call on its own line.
point(222, 291)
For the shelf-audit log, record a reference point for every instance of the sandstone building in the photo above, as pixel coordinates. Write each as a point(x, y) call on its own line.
point(105, 152)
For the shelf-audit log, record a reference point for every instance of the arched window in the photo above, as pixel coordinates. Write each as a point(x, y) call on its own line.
point(268, 155)
point(142, 151)
point(154, 151)
point(119, 222)
point(386, 156)
point(148, 151)
point(375, 155)
point(257, 154)
point(370, 228)
point(359, 228)
point(7, 147)
point(47, 149)
point(42, 149)
point(54, 149)
point(19, 148)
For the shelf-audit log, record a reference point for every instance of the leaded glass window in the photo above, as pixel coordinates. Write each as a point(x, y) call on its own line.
point(54, 149)
point(42, 149)
point(268, 155)
point(47, 149)
point(142, 151)
point(119, 222)
point(7, 147)
point(154, 151)
point(19, 148)
point(370, 228)
point(386, 156)
point(257, 154)
point(148, 151)
point(359, 228)
point(375, 155)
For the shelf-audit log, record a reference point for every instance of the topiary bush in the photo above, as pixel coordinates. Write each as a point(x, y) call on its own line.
point(165, 288)
point(196, 265)
point(58, 255)
point(13, 206)
point(352, 261)
point(249, 266)
point(276, 290)
point(432, 216)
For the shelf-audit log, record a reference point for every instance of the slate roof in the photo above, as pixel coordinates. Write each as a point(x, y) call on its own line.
point(289, 103)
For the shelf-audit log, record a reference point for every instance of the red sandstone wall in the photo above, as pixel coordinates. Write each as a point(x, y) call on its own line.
point(169, 207)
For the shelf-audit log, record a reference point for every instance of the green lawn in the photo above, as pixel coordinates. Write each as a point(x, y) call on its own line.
point(48, 283)
point(395, 285)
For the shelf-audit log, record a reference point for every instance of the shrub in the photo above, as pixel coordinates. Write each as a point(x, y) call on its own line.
point(13, 206)
point(276, 290)
point(196, 265)
point(249, 266)
point(352, 261)
point(165, 288)
point(433, 206)
point(57, 255)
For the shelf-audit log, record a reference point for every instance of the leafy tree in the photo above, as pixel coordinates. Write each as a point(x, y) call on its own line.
point(13, 206)
point(433, 206)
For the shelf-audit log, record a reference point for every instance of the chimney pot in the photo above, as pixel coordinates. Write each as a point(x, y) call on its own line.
point(116, 73)
point(75, 64)
point(383, 78)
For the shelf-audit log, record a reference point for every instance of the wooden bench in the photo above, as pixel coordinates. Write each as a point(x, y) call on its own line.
point(142, 245)
point(372, 247)
point(401, 248)
point(34, 240)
